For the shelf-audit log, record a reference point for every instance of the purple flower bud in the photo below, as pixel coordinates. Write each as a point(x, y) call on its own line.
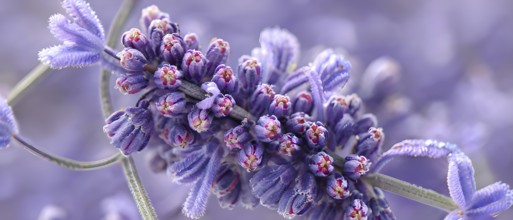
point(303, 102)
point(268, 128)
point(200, 120)
point(225, 181)
point(269, 183)
point(132, 60)
point(356, 166)
point(249, 75)
point(355, 102)
point(250, 157)
point(344, 129)
point(180, 136)
point(321, 164)
point(288, 145)
point(357, 211)
point(194, 65)
point(298, 200)
point(167, 77)
point(364, 123)
point(137, 40)
point(225, 79)
point(129, 129)
point(217, 53)
point(333, 69)
point(172, 49)
point(337, 186)
point(261, 99)
point(370, 143)
point(380, 207)
point(158, 29)
point(337, 106)
point(131, 84)
point(236, 137)
point(298, 123)
point(223, 105)
point(280, 106)
point(191, 41)
point(149, 14)
point(316, 136)
point(171, 104)
point(229, 200)
point(8, 125)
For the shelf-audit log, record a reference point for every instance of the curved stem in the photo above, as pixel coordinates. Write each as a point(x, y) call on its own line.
point(67, 163)
point(143, 202)
point(36, 74)
point(410, 191)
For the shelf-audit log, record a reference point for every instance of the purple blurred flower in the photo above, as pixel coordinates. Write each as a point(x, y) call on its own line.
point(8, 125)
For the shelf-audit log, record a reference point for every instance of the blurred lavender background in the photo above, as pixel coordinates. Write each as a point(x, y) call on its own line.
point(454, 84)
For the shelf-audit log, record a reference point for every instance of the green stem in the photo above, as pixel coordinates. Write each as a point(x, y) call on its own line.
point(143, 202)
point(68, 163)
point(144, 205)
point(411, 191)
point(36, 74)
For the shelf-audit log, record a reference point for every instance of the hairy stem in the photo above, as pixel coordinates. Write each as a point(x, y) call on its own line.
point(35, 75)
point(68, 163)
point(411, 191)
point(143, 202)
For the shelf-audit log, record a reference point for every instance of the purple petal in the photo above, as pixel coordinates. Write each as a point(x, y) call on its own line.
point(491, 200)
point(84, 16)
point(8, 124)
point(213, 91)
point(460, 179)
point(72, 34)
point(415, 148)
point(62, 56)
point(317, 92)
point(196, 203)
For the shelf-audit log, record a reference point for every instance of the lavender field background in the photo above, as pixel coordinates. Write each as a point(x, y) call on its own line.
point(455, 84)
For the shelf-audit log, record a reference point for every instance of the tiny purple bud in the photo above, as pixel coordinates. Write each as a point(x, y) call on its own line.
point(250, 157)
point(249, 75)
point(355, 102)
point(236, 137)
point(356, 166)
point(131, 84)
point(191, 41)
point(158, 29)
point(223, 105)
point(298, 123)
point(261, 99)
point(337, 106)
point(172, 49)
point(132, 60)
point(268, 128)
point(225, 79)
point(149, 14)
point(130, 129)
point(303, 102)
point(167, 77)
point(288, 144)
point(280, 106)
point(171, 104)
point(316, 136)
point(298, 200)
point(200, 120)
point(194, 65)
point(225, 181)
point(217, 53)
point(135, 39)
point(337, 186)
point(321, 164)
point(364, 123)
point(357, 211)
point(180, 136)
point(370, 143)
point(344, 129)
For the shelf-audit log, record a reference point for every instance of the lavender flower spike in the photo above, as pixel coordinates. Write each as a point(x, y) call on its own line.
point(8, 124)
point(82, 40)
point(483, 204)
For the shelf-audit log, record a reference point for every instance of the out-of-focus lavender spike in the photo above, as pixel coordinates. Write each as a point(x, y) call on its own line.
point(191, 41)
point(8, 125)
point(196, 203)
point(225, 79)
point(167, 77)
point(131, 84)
point(217, 54)
point(415, 148)
point(173, 49)
point(149, 14)
point(194, 66)
point(283, 48)
point(317, 92)
point(135, 39)
point(364, 123)
point(380, 78)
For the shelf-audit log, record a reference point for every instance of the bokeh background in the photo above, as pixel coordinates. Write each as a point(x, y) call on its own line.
point(454, 84)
